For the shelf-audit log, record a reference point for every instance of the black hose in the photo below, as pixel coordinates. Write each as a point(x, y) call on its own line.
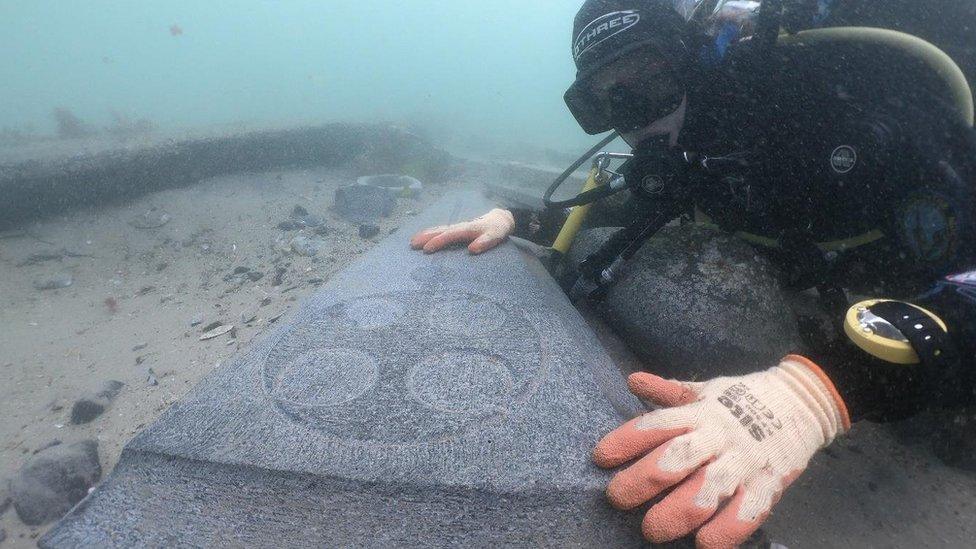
point(768, 24)
point(547, 198)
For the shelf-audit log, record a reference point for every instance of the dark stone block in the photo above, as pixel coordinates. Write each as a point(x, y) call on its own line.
point(54, 480)
point(697, 303)
point(414, 400)
point(363, 203)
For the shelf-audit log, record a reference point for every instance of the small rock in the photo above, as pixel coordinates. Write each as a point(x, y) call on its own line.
point(241, 270)
point(298, 211)
point(152, 219)
point(368, 231)
point(279, 276)
point(196, 321)
point(266, 301)
point(161, 266)
point(302, 245)
point(288, 226)
point(139, 347)
point(254, 276)
point(315, 281)
point(54, 480)
point(110, 389)
point(219, 331)
point(363, 203)
point(88, 408)
point(60, 280)
point(322, 230)
point(249, 315)
point(151, 378)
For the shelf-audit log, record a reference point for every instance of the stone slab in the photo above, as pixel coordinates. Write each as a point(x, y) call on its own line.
point(413, 401)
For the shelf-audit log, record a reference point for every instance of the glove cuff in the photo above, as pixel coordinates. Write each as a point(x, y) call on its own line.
point(822, 385)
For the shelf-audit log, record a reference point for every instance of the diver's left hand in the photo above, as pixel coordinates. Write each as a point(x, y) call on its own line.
point(482, 233)
point(734, 440)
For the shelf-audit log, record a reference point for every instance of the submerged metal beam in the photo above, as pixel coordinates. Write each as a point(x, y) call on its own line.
point(414, 401)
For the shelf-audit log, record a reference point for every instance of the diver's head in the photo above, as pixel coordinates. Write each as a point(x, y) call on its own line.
point(634, 60)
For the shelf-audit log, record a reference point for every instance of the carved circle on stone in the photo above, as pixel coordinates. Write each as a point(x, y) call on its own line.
point(428, 369)
point(325, 377)
point(373, 313)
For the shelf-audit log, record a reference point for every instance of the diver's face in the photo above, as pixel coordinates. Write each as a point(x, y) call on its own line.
point(641, 95)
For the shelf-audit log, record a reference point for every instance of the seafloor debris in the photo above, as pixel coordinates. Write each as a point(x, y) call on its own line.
point(215, 332)
point(41, 257)
point(53, 282)
point(304, 246)
point(152, 218)
point(90, 407)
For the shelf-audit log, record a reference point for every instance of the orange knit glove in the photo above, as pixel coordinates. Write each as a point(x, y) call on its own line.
point(738, 441)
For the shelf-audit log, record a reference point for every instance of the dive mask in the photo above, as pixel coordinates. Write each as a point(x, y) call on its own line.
point(633, 102)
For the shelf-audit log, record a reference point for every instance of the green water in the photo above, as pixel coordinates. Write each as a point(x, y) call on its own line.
point(491, 70)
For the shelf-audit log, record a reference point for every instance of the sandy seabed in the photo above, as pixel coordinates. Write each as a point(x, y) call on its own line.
point(135, 293)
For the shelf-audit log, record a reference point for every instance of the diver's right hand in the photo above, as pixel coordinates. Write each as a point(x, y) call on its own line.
point(482, 233)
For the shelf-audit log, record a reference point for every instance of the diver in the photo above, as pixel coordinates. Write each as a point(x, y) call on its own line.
point(850, 182)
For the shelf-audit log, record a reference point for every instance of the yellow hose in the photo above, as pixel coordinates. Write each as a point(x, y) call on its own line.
point(575, 220)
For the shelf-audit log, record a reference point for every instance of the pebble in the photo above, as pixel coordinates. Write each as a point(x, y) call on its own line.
point(54, 480)
point(151, 378)
point(368, 231)
point(249, 315)
point(304, 246)
point(196, 321)
point(279, 276)
point(88, 408)
point(140, 347)
point(60, 280)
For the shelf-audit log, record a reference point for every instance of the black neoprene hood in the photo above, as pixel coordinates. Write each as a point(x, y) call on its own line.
point(606, 30)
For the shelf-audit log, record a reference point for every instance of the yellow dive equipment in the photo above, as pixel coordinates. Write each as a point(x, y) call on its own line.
point(878, 337)
point(576, 217)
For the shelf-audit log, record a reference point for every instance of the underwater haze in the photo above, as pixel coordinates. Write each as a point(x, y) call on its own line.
point(487, 71)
